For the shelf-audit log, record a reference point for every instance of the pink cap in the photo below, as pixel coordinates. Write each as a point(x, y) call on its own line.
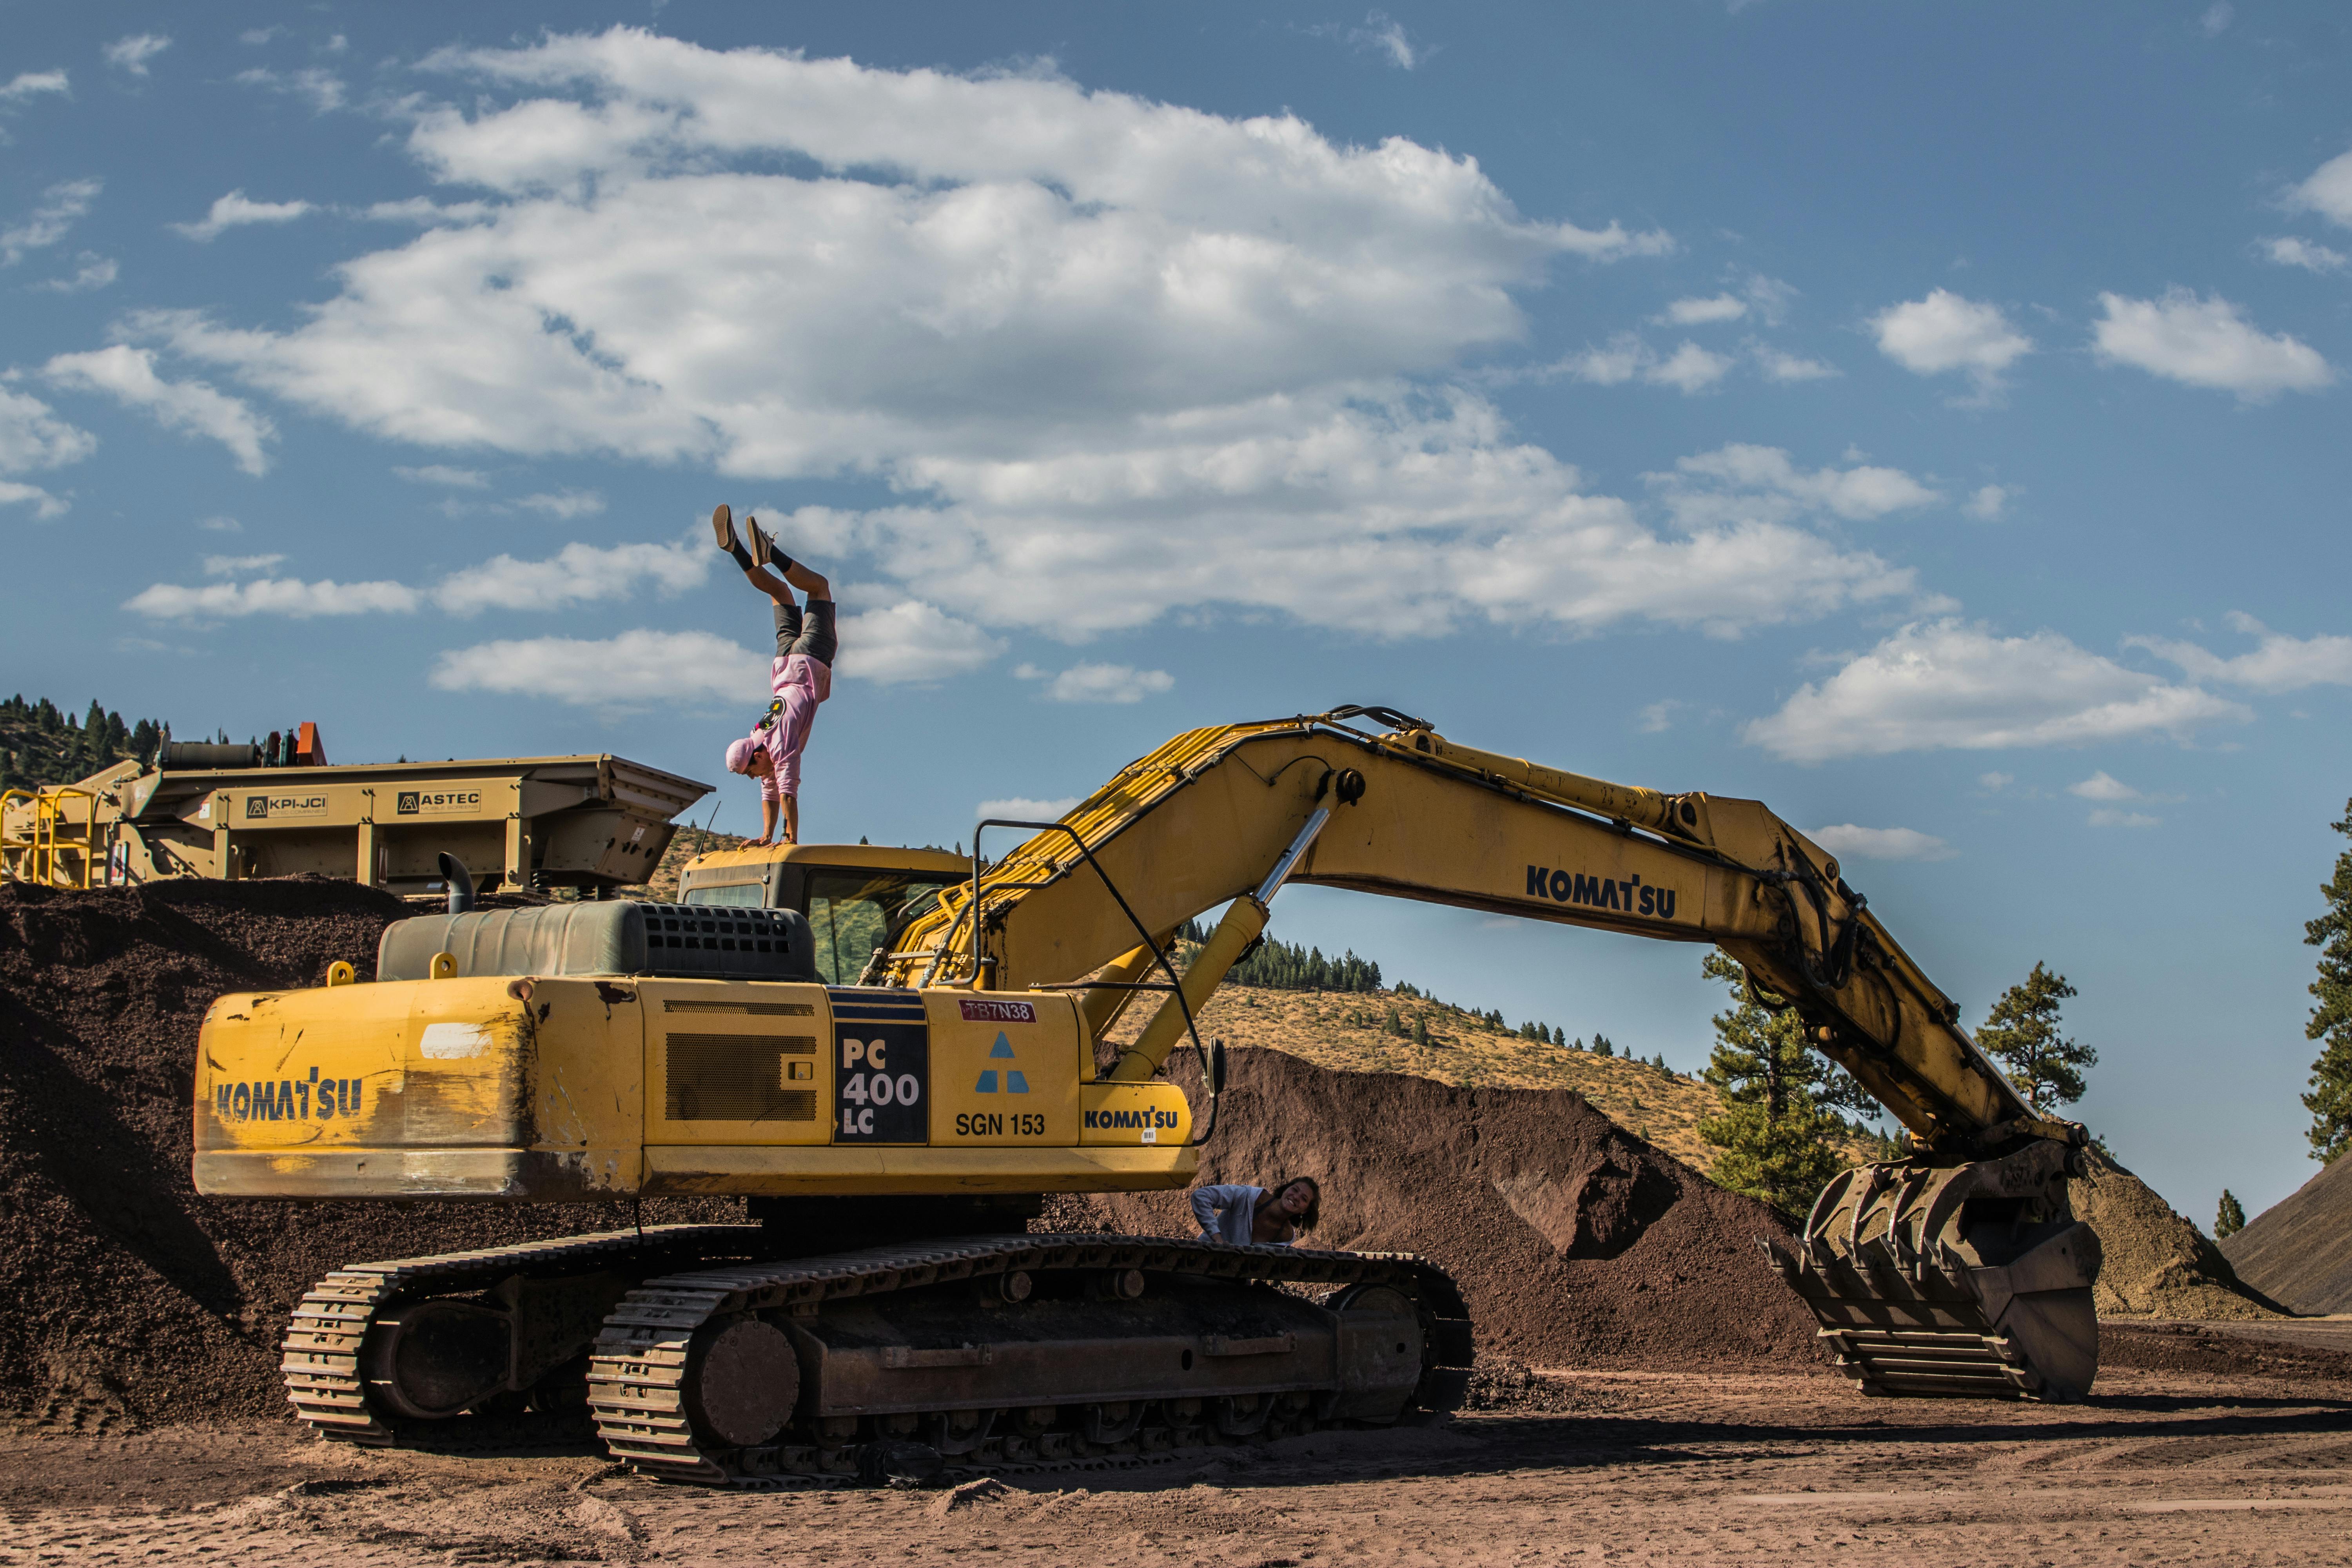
point(740, 753)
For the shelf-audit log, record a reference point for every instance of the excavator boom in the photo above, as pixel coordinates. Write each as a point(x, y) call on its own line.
point(1196, 823)
point(1900, 1263)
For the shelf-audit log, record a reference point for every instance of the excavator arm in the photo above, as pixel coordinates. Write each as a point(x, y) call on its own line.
point(1916, 1269)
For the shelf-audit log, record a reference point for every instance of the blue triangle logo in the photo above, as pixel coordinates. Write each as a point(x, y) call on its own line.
point(1015, 1084)
point(1003, 1048)
point(987, 1084)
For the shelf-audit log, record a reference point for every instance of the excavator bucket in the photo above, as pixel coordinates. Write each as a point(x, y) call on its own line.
point(1969, 1279)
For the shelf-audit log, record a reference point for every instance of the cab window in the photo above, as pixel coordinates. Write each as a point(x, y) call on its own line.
point(851, 912)
point(734, 895)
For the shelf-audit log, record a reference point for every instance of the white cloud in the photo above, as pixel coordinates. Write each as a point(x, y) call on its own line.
point(1996, 782)
point(1369, 522)
point(2217, 18)
point(32, 435)
point(1699, 312)
point(578, 574)
point(1626, 357)
point(1988, 502)
point(44, 505)
point(324, 89)
point(60, 207)
point(233, 210)
point(221, 525)
point(444, 474)
point(1100, 682)
point(271, 596)
point(2103, 785)
point(1612, 365)
point(2328, 191)
point(1788, 367)
point(238, 565)
point(911, 641)
point(1118, 359)
point(1945, 685)
point(27, 85)
point(128, 374)
point(1657, 718)
point(1748, 483)
point(1849, 842)
point(565, 504)
point(1384, 35)
point(424, 210)
point(618, 674)
point(1022, 808)
point(2278, 663)
point(2289, 252)
point(2206, 342)
point(259, 34)
point(1944, 333)
point(131, 54)
point(91, 271)
point(2108, 816)
point(1689, 369)
point(1769, 296)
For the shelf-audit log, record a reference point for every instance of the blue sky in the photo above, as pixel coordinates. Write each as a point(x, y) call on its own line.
point(1927, 420)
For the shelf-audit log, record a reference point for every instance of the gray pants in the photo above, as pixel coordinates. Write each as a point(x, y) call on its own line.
point(809, 632)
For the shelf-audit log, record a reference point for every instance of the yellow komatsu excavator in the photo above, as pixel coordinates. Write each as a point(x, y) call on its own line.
point(895, 1130)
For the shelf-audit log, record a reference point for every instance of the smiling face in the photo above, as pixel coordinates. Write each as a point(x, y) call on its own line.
point(1295, 1200)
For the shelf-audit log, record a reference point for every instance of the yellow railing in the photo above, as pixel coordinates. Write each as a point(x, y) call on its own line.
point(44, 851)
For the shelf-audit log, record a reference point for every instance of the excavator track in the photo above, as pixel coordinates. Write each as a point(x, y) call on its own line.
point(323, 1357)
point(668, 1286)
point(643, 1376)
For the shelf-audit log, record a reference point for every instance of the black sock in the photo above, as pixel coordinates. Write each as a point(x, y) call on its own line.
point(742, 556)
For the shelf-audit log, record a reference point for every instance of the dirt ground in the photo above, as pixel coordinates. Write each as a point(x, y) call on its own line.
point(2158, 1467)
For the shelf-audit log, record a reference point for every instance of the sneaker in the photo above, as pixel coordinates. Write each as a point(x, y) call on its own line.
point(763, 549)
point(722, 523)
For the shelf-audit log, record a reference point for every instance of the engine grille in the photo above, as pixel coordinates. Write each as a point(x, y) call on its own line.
point(737, 1077)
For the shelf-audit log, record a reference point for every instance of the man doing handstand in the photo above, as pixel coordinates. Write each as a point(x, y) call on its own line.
point(801, 676)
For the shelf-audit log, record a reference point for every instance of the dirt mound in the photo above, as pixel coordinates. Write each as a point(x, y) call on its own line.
point(123, 1293)
point(2197, 1347)
point(2299, 1250)
point(1575, 1243)
point(2157, 1264)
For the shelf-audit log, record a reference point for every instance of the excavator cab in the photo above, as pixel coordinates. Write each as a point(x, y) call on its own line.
point(855, 896)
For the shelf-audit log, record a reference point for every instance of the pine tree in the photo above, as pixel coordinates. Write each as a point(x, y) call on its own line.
point(2232, 1218)
point(1603, 1046)
point(1421, 1028)
point(2330, 1100)
point(1777, 1133)
point(2021, 1033)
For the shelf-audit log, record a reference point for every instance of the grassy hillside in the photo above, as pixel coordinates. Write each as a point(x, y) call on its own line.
point(41, 743)
point(684, 846)
point(1349, 1032)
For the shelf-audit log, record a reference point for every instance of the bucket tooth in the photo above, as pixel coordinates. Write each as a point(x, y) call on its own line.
point(1906, 1312)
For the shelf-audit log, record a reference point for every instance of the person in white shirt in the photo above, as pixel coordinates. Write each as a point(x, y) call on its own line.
point(1261, 1217)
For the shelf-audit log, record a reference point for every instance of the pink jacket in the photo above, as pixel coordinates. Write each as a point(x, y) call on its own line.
point(800, 683)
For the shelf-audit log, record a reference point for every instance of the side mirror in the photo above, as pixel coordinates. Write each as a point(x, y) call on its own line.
point(459, 881)
point(1216, 1067)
